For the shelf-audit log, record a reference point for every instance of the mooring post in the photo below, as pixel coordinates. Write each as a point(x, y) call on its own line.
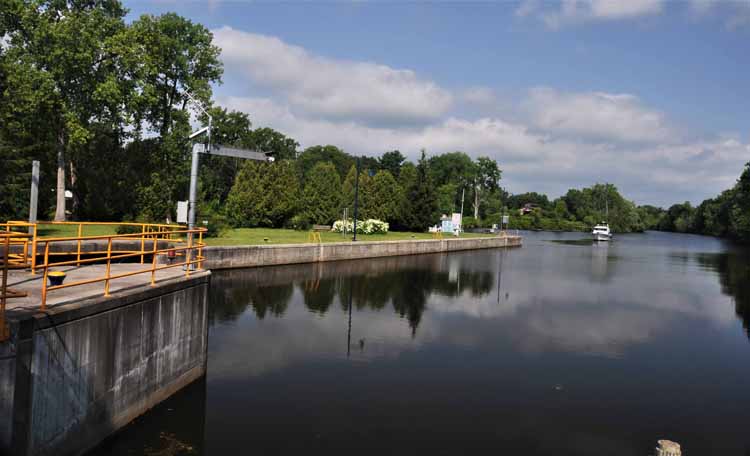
point(668, 448)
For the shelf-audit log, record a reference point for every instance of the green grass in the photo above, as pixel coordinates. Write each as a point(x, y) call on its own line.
point(253, 236)
point(72, 230)
point(249, 236)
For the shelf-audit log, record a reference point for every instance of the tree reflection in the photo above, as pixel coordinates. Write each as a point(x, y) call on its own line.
point(734, 277)
point(231, 295)
point(405, 283)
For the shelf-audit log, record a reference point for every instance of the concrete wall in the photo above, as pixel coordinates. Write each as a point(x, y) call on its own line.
point(94, 367)
point(268, 255)
point(7, 380)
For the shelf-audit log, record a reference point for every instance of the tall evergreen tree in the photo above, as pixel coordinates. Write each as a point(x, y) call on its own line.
point(264, 194)
point(321, 198)
point(421, 209)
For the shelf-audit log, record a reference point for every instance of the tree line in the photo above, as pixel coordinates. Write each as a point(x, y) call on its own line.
point(105, 106)
point(726, 215)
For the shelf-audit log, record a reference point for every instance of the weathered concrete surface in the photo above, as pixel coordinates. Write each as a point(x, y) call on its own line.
point(23, 281)
point(245, 256)
point(7, 381)
point(99, 363)
point(90, 246)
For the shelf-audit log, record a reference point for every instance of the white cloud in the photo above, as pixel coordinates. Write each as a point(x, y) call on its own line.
point(619, 117)
point(335, 89)
point(550, 141)
point(579, 11)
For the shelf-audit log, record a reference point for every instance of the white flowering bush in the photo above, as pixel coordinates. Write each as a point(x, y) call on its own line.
point(369, 226)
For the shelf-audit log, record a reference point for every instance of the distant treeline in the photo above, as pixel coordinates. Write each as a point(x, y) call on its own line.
point(727, 215)
point(580, 210)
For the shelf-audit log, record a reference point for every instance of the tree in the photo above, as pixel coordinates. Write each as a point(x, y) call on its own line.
point(391, 162)
point(487, 180)
point(274, 143)
point(264, 194)
point(740, 213)
point(421, 209)
point(169, 56)
point(217, 173)
point(347, 191)
point(446, 198)
point(455, 168)
point(322, 196)
point(312, 155)
point(383, 195)
point(69, 50)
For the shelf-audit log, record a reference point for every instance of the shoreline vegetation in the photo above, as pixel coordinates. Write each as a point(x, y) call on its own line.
point(108, 118)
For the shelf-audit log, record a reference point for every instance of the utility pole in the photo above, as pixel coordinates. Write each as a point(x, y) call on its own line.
point(356, 201)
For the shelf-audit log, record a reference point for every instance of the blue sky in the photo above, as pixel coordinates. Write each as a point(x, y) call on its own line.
point(647, 94)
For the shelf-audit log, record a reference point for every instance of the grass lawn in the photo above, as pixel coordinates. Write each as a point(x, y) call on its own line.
point(250, 236)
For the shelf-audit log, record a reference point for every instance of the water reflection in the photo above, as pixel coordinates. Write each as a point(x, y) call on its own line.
point(558, 348)
point(405, 284)
point(734, 275)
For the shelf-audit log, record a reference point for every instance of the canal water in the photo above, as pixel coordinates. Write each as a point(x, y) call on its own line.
point(562, 347)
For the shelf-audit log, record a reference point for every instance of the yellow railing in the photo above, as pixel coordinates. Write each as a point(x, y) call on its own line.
point(9, 259)
point(192, 251)
point(28, 248)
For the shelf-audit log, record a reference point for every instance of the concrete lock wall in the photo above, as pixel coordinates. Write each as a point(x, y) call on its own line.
point(267, 255)
point(94, 370)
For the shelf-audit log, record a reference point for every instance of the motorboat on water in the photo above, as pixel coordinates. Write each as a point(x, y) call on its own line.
point(601, 232)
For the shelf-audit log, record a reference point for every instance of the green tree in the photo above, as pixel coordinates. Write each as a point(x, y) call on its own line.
point(347, 191)
point(383, 196)
point(264, 194)
point(68, 50)
point(446, 198)
point(312, 155)
point(421, 210)
point(272, 142)
point(321, 198)
point(391, 161)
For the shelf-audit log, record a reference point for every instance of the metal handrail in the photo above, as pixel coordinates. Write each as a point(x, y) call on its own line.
point(193, 255)
point(7, 237)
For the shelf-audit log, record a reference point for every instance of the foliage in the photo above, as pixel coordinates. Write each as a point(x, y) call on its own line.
point(312, 155)
point(391, 161)
point(321, 196)
point(420, 208)
point(381, 196)
point(727, 215)
point(264, 194)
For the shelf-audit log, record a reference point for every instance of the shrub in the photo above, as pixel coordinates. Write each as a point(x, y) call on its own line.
point(298, 222)
point(369, 226)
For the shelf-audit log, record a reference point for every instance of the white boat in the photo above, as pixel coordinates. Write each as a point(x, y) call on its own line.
point(601, 232)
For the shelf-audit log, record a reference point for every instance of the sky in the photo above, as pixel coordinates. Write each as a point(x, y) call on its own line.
point(649, 95)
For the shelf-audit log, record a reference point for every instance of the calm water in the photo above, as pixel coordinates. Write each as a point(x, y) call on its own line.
point(563, 347)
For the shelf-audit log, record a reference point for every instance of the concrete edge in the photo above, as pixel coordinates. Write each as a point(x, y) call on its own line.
point(309, 244)
point(71, 311)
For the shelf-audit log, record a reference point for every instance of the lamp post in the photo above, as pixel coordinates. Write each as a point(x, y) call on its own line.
point(356, 201)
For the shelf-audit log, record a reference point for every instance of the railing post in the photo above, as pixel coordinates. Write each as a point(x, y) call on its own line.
point(200, 250)
point(44, 277)
point(153, 262)
point(109, 261)
point(188, 252)
point(3, 290)
point(143, 240)
point(78, 255)
point(33, 251)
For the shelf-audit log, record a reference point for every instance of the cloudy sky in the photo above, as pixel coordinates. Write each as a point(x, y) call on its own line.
point(649, 95)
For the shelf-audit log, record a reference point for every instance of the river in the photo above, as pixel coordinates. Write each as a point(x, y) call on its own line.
point(561, 347)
